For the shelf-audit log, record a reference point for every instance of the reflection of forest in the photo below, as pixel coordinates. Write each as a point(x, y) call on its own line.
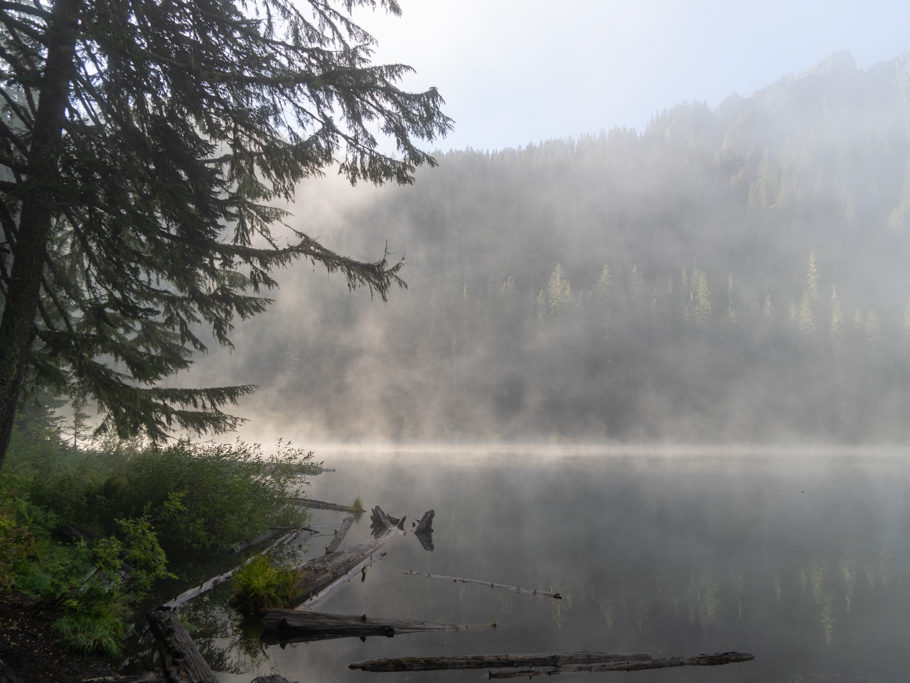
point(732, 274)
point(800, 561)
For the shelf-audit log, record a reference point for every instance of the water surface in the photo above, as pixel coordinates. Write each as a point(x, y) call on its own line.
point(799, 559)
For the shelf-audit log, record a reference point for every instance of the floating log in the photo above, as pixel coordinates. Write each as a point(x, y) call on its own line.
point(214, 581)
point(339, 535)
point(264, 536)
point(180, 658)
point(489, 584)
point(284, 626)
point(548, 664)
point(700, 660)
point(322, 505)
point(494, 661)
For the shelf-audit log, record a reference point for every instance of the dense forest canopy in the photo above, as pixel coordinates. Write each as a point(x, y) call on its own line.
point(736, 274)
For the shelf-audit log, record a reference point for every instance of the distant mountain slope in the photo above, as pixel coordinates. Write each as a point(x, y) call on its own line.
point(737, 274)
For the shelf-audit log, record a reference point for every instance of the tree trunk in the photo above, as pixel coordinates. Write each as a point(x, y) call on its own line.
point(29, 245)
point(180, 658)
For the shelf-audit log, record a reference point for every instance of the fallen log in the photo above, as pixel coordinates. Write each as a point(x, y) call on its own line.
point(214, 581)
point(547, 664)
point(700, 660)
point(358, 569)
point(494, 661)
point(282, 626)
point(180, 659)
point(323, 505)
point(320, 573)
point(264, 536)
point(489, 584)
point(339, 535)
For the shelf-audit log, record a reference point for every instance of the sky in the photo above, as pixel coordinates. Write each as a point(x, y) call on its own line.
point(516, 72)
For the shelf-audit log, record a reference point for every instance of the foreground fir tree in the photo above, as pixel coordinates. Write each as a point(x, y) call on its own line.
point(141, 142)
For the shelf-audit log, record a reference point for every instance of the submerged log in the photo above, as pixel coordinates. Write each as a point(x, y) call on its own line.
point(180, 658)
point(339, 535)
point(323, 505)
point(294, 626)
point(480, 582)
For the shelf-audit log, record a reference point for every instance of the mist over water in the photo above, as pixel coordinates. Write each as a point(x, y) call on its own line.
point(801, 561)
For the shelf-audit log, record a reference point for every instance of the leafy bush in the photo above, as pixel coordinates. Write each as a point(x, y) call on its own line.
point(260, 584)
point(17, 543)
point(199, 497)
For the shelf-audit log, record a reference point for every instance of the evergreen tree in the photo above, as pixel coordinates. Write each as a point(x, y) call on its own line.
point(141, 144)
point(559, 291)
point(702, 296)
point(836, 329)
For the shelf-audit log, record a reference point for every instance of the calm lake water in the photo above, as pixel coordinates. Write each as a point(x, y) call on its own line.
point(799, 559)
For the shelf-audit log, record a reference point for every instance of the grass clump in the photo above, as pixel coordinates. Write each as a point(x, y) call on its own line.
point(261, 584)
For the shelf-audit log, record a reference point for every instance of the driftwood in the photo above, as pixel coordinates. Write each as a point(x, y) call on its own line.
point(322, 505)
point(214, 581)
point(294, 626)
point(180, 658)
point(547, 664)
point(700, 660)
point(489, 584)
point(339, 535)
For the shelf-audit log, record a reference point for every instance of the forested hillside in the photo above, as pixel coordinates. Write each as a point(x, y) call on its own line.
point(738, 274)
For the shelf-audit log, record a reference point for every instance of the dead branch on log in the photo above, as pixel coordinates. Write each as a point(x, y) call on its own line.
point(489, 584)
point(339, 535)
point(214, 581)
point(180, 658)
point(322, 505)
point(700, 660)
point(381, 522)
point(293, 626)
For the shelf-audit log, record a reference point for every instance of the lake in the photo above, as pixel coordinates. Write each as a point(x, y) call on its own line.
point(798, 558)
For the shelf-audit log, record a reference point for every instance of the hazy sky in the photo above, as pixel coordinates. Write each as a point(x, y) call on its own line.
point(520, 71)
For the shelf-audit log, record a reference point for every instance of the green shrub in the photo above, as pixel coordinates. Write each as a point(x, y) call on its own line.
point(260, 585)
point(17, 543)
